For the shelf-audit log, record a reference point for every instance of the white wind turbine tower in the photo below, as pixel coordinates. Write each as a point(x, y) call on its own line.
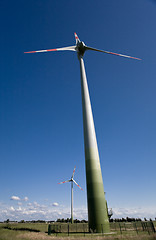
point(97, 209)
point(72, 180)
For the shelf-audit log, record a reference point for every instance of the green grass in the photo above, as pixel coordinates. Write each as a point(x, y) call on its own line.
point(7, 234)
point(18, 235)
point(42, 227)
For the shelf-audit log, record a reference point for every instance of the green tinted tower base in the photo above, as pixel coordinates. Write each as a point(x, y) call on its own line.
point(97, 209)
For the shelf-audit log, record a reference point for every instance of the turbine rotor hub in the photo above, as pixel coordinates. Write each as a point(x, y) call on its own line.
point(81, 48)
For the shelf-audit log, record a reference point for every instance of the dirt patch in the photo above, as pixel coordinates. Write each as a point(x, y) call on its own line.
point(34, 236)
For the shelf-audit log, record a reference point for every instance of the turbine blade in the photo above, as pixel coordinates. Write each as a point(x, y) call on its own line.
point(76, 38)
point(71, 48)
point(118, 54)
point(77, 184)
point(65, 181)
point(73, 171)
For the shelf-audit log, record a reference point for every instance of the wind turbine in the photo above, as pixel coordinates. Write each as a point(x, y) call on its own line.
point(72, 181)
point(97, 210)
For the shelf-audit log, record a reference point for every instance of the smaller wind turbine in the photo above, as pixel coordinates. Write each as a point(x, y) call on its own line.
point(72, 180)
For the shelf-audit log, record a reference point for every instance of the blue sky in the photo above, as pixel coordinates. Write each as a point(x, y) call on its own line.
point(41, 131)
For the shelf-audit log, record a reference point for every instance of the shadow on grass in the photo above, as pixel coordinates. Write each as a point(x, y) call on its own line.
point(22, 229)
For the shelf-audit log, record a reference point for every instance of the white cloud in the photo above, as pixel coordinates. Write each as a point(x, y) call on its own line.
point(16, 198)
point(36, 204)
point(19, 209)
point(26, 199)
point(12, 208)
point(135, 212)
point(19, 203)
point(53, 211)
point(35, 211)
point(55, 204)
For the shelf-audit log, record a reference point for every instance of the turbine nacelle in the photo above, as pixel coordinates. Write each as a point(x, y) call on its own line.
point(80, 48)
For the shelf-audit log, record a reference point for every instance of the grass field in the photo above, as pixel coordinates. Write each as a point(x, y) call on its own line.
point(27, 231)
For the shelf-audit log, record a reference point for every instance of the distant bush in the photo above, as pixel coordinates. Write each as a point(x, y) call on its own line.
point(67, 220)
point(126, 220)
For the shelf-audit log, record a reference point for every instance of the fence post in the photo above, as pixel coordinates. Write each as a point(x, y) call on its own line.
point(125, 226)
point(68, 229)
point(120, 228)
point(147, 228)
point(84, 230)
point(49, 229)
point(56, 229)
point(143, 226)
point(135, 227)
point(152, 226)
point(115, 225)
